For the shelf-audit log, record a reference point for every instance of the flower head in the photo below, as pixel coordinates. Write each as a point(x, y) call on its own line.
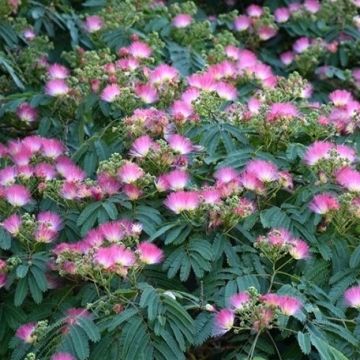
point(182, 21)
point(26, 332)
point(110, 93)
point(182, 201)
point(149, 253)
point(56, 87)
point(323, 203)
point(237, 301)
point(352, 297)
point(130, 172)
point(349, 179)
point(17, 195)
point(224, 321)
point(62, 356)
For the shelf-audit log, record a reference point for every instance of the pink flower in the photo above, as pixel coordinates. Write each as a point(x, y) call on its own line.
point(181, 110)
point(278, 237)
point(3, 279)
point(281, 111)
point(176, 179)
point(139, 49)
point(189, 95)
point(226, 174)
point(112, 231)
point(62, 356)
point(56, 87)
point(163, 73)
point(226, 91)
point(352, 297)
point(29, 34)
point(317, 151)
point(44, 234)
point(93, 23)
point(52, 148)
point(8, 175)
point(224, 321)
point(129, 172)
point(181, 21)
point(242, 23)
point(132, 191)
point(251, 182)
point(45, 171)
point(340, 98)
point(27, 113)
point(299, 249)
point(287, 57)
point(147, 93)
point(349, 179)
point(180, 144)
point(323, 203)
point(113, 255)
point(211, 196)
point(141, 146)
point(238, 301)
point(149, 253)
point(26, 332)
point(110, 93)
point(12, 224)
point(289, 305)
point(263, 170)
point(266, 32)
point(17, 195)
point(301, 44)
point(202, 81)
point(182, 201)
point(57, 71)
point(282, 14)
point(313, 6)
point(254, 10)
point(50, 219)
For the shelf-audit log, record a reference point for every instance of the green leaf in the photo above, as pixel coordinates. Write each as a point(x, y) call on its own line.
point(304, 342)
point(22, 270)
point(5, 239)
point(89, 327)
point(21, 292)
point(355, 258)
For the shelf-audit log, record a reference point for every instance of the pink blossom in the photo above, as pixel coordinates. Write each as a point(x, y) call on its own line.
point(52, 148)
point(238, 301)
point(299, 249)
point(147, 93)
point(282, 14)
point(340, 98)
point(301, 44)
point(130, 172)
point(110, 93)
point(180, 144)
point(62, 356)
point(352, 297)
point(176, 179)
point(132, 191)
point(149, 253)
point(17, 195)
point(317, 151)
point(140, 50)
point(114, 255)
point(224, 321)
point(8, 175)
point(263, 170)
point(57, 71)
point(181, 110)
point(226, 174)
point(141, 146)
point(112, 231)
point(26, 332)
point(226, 91)
point(242, 23)
point(266, 32)
point(289, 305)
point(56, 87)
point(287, 57)
point(181, 20)
point(163, 73)
point(313, 6)
point(282, 111)
point(93, 23)
point(254, 10)
point(210, 196)
point(12, 224)
point(349, 179)
point(27, 113)
point(50, 219)
point(182, 201)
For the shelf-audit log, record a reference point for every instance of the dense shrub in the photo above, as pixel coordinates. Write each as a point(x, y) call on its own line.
point(178, 183)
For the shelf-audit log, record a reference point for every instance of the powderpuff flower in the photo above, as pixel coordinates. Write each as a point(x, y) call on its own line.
point(140, 50)
point(301, 44)
point(112, 231)
point(245, 207)
point(129, 64)
point(190, 95)
point(232, 52)
point(340, 98)
point(270, 299)
point(8, 175)
point(176, 179)
point(147, 93)
point(250, 182)
point(44, 234)
point(286, 180)
point(242, 23)
point(62, 356)
point(141, 146)
point(203, 81)
point(289, 305)
point(238, 301)
point(163, 73)
point(352, 297)
point(17, 195)
point(3, 279)
point(265, 171)
point(278, 237)
point(266, 32)
point(279, 111)
point(323, 203)
point(67, 169)
point(254, 105)
point(93, 23)
point(27, 113)
point(132, 191)
point(346, 153)
point(56, 87)
point(110, 93)
point(12, 224)
point(52, 148)
point(180, 144)
point(282, 14)
point(181, 110)
point(115, 254)
point(130, 172)
point(182, 201)
point(57, 71)
point(317, 151)
point(224, 321)
point(181, 21)
point(211, 196)
point(254, 11)
point(34, 143)
point(149, 253)
point(226, 91)
point(312, 6)
point(26, 332)
point(226, 174)
point(45, 171)
point(50, 219)
point(299, 249)
point(287, 57)
point(349, 179)
point(29, 34)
